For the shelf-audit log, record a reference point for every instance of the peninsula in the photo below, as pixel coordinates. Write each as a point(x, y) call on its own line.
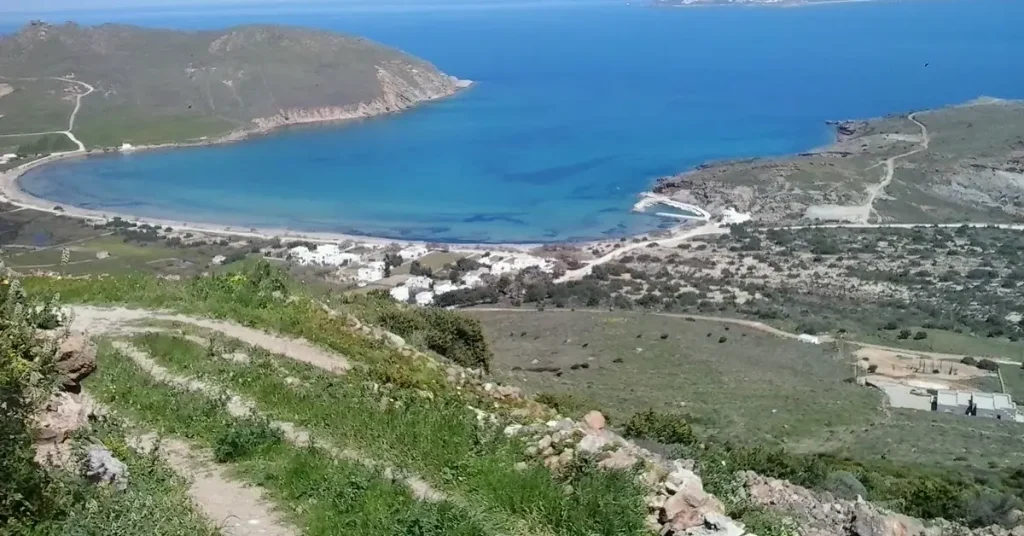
point(145, 86)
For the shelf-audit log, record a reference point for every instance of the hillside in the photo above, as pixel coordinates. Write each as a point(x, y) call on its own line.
point(954, 164)
point(157, 86)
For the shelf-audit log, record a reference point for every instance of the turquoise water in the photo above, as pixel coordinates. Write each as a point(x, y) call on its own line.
point(578, 108)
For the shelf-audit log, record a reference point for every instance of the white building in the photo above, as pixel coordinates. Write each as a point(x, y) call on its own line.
point(324, 255)
point(419, 282)
point(413, 252)
point(7, 158)
point(400, 294)
point(809, 339)
point(519, 262)
point(474, 278)
point(371, 272)
point(441, 288)
point(425, 298)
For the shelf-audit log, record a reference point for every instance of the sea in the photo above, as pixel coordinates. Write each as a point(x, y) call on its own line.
point(577, 108)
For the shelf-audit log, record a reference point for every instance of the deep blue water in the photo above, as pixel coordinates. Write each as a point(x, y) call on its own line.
point(578, 108)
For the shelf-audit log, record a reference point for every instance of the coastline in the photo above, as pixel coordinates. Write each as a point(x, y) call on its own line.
point(12, 193)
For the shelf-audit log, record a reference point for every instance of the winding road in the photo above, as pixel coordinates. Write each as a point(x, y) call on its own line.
point(890, 169)
point(71, 120)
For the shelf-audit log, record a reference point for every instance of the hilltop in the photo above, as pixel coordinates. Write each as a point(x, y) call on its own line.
point(147, 86)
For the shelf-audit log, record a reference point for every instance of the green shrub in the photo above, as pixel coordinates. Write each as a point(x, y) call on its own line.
point(920, 336)
point(845, 485)
point(988, 364)
point(245, 438)
point(987, 509)
point(665, 428)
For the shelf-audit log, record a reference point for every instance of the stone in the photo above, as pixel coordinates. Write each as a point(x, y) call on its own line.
point(595, 421)
point(101, 467)
point(868, 522)
point(683, 481)
point(63, 415)
point(521, 466)
point(593, 443)
point(76, 359)
point(512, 429)
point(544, 443)
point(618, 461)
point(718, 525)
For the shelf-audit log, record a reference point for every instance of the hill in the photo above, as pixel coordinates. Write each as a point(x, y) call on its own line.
point(155, 86)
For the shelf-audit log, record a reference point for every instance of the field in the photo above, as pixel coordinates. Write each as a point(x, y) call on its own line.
point(35, 106)
point(752, 385)
point(754, 388)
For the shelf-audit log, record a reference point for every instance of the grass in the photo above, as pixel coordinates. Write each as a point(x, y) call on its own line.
point(35, 106)
point(320, 494)
point(1013, 377)
point(949, 342)
point(99, 129)
point(154, 493)
point(752, 386)
point(439, 438)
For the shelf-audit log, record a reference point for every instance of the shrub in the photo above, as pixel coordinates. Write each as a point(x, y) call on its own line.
point(969, 361)
point(845, 485)
point(904, 334)
point(920, 336)
point(245, 438)
point(722, 339)
point(872, 368)
point(989, 508)
point(666, 428)
point(988, 364)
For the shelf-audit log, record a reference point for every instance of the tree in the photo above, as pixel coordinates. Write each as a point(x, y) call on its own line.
point(920, 335)
point(904, 334)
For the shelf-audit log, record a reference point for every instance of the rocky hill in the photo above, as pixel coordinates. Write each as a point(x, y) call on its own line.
point(203, 82)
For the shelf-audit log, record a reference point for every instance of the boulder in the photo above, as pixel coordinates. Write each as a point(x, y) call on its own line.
point(869, 522)
point(684, 482)
point(593, 443)
point(595, 421)
point(618, 460)
point(63, 415)
point(684, 511)
point(76, 359)
point(101, 467)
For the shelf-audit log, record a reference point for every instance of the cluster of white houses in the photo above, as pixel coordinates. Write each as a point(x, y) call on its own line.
point(992, 405)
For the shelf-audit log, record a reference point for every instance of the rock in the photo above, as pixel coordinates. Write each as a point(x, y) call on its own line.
point(512, 429)
point(64, 413)
point(593, 443)
point(76, 359)
point(868, 522)
point(618, 460)
point(684, 482)
point(718, 525)
point(521, 466)
point(507, 392)
point(544, 443)
point(685, 511)
point(101, 467)
point(595, 420)
point(561, 424)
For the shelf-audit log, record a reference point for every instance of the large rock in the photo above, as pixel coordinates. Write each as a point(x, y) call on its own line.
point(869, 522)
point(64, 413)
point(595, 420)
point(101, 467)
point(76, 359)
point(689, 506)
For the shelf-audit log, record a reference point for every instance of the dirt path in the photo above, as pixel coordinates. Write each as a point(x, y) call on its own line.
point(890, 169)
point(579, 273)
point(98, 320)
point(238, 510)
point(71, 120)
point(240, 407)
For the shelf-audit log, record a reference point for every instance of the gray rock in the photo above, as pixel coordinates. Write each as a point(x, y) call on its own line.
point(101, 467)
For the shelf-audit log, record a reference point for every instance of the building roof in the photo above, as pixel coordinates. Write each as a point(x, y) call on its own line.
point(993, 401)
point(947, 397)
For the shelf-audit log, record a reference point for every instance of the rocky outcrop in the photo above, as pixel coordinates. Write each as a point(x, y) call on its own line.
point(101, 467)
point(677, 503)
point(401, 86)
point(76, 359)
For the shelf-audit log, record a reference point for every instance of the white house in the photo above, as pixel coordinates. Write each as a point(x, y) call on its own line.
point(413, 252)
point(441, 288)
point(371, 272)
point(810, 339)
point(419, 282)
point(324, 254)
point(425, 298)
point(400, 294)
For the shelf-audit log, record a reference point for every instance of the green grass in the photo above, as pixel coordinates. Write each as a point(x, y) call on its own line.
point(320, 494)
point(439, 438)
point(97, 129)
point(753, 386)
point(154, 493)
point(1013, 377)
point(35, 106)
point(949, 342)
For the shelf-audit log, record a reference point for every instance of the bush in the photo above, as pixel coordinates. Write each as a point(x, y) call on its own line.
point(920, 336)
point(845, 485)
point(665, 428)
point(987, 509)
point(988, 364)
point(245, 438)
point(969, 361)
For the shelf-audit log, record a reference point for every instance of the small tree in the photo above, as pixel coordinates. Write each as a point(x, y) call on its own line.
point(920, 336)
point(904, 334)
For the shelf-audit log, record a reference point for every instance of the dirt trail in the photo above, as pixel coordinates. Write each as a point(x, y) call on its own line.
point(240, 407)
point(890, 169)
point(99, 320)
point(238, 510)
